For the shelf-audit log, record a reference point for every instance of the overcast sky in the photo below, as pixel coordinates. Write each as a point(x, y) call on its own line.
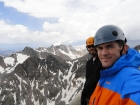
point(37, 23)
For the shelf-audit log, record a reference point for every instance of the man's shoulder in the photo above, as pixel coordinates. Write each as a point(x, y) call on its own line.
point(90, 60)
point(96, 60)
point(131, 70)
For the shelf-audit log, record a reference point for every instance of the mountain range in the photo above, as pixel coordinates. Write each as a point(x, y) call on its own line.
point(42, 76)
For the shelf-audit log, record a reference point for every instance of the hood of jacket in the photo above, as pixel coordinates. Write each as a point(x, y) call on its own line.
point(130, 59)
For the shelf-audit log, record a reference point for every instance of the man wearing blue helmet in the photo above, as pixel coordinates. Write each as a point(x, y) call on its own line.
point(119, 82)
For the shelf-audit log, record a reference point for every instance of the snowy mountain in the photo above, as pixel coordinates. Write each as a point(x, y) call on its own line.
point(43, 76)
point(67, 52)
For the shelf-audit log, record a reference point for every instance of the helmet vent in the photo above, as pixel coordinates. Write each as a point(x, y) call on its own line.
point(115, 33)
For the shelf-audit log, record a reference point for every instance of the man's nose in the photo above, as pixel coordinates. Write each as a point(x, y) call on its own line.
point(104, 51)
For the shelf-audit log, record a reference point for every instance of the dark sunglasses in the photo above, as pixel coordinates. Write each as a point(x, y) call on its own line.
point(89, 46)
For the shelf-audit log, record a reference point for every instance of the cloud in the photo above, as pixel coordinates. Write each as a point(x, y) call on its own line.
point(38, 8)
point(10, 32)
point(77, 20)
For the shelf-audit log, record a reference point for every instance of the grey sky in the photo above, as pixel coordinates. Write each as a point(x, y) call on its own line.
point(46, 22)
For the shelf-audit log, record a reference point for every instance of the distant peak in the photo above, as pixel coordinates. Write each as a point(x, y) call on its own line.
point(57, 44)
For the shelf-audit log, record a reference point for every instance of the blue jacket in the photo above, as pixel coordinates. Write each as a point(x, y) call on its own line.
point(120, 84)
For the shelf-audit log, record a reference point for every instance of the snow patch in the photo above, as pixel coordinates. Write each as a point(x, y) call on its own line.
point(9, 61)
point(69, 54)
point(21, 57)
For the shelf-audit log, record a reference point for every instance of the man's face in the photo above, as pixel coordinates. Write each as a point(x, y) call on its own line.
point(108, 53)
point(91, 50)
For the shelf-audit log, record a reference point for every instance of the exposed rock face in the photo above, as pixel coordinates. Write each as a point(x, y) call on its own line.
point(29, 51)
point(2, 62)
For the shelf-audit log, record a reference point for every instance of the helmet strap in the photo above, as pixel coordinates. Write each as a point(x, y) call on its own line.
point(121, 50)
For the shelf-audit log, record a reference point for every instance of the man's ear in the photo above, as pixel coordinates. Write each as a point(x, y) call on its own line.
point(125, 49)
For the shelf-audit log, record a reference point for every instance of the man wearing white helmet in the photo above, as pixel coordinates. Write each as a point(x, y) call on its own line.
point(119, 82)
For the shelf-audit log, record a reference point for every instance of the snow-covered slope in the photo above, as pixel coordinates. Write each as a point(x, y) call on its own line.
point(12, 61)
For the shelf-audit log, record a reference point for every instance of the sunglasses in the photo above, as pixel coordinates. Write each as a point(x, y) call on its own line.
point(89, 46)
